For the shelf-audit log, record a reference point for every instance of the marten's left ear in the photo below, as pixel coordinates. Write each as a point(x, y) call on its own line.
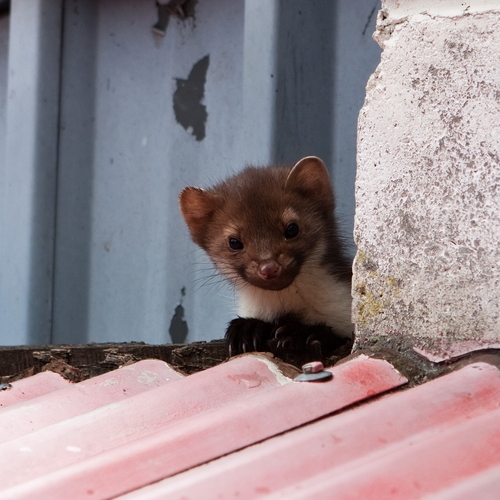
point(310, 178)
point(197, 207)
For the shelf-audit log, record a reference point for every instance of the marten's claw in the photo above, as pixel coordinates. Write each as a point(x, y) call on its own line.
point(281, 335)
point(255, 346)
point(311, 339)
point(284, 344)
point(293, 335)
point(247, 334)
point(279, 332)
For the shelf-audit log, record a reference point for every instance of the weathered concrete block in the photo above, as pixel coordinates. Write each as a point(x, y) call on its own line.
point(427, 223)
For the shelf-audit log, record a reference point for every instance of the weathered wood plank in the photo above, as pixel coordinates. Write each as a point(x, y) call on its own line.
point(79, 362)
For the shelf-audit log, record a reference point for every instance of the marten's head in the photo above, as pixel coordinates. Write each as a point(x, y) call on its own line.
point(261, 225)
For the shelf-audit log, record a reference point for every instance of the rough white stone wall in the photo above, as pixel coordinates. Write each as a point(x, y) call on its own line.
point(427, 271)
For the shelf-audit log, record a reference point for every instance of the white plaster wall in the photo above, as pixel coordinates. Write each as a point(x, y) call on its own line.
point(427, 190)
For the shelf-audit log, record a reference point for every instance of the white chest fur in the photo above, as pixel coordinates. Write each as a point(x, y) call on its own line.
point(314, 295)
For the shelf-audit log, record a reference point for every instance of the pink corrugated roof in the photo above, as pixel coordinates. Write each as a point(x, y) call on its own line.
point(244, 430)
point(37, 385)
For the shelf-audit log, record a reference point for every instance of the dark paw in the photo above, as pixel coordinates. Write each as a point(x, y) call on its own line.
point(314, 341)
point(247, 334)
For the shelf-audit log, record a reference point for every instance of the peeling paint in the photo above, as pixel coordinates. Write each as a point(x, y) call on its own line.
point(181, 9)
point(188, 109)
point(108, 382)
point(178, 326)
point(147, 377)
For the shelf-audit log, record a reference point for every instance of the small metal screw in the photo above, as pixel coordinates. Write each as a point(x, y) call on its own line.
point(314, 372)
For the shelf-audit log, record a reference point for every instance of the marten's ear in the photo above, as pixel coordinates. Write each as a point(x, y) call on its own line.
point(310, 178)
point(197, 207)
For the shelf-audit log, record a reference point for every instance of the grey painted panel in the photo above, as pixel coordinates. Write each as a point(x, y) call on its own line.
point(259, 83)
point(4, 54)
point(28, 190)
point(135, 160)
point(283, 79)
point(4, 51)
point(355, 57)
point(304, 74)
point(76, 173)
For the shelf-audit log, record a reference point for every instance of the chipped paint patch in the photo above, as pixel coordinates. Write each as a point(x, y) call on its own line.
point(273, 368)
point(147, 377)
point(178, 326)
point(189, 111)
point(108, 382)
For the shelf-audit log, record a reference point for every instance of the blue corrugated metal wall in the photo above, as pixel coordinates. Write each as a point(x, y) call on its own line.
point(97, 143)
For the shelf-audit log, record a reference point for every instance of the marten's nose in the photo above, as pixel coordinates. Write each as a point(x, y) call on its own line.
point(269, 270)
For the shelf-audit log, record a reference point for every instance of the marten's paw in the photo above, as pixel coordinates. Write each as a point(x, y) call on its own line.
point(247, 334)
point(292, 335)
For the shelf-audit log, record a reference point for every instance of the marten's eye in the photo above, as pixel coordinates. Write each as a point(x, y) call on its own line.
point(291, 231)
point(235, 244)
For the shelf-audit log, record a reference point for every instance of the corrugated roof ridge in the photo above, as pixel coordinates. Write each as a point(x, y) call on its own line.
point(484, 485)
point(84, 397)
point(341, 429)
point(212, 432)
point(224, 383)
point(34, 386)
point(349, 480)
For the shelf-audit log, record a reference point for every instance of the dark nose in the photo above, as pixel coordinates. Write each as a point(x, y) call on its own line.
point(269, 270)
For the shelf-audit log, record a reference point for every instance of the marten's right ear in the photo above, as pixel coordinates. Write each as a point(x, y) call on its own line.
point(197, 207)
point(310, 178)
